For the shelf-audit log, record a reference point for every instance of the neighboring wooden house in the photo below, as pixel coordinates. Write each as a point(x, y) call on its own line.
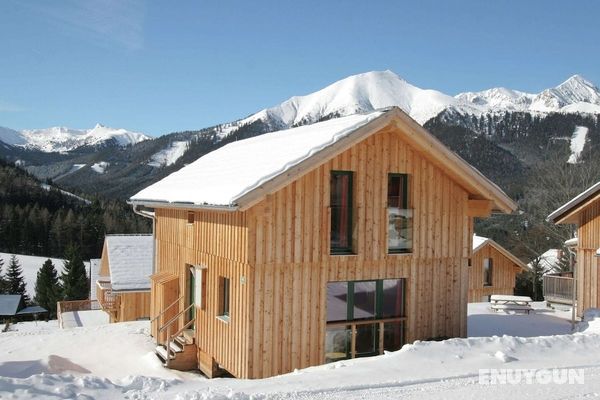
point(493, 270)
point(123, 280)
point(336, 240)
point(584, 211)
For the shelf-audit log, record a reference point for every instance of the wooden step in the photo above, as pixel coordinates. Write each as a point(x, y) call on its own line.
point(189, 335)
point(161, 352)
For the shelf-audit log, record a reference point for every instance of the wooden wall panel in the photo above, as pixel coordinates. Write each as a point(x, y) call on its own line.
point(217, 240)
point(504, 273)
point(588, 232)
point(288, 245)
point(133, 306)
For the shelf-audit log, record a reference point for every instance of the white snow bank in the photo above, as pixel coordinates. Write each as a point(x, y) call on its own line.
point(170, 155)
point(51, 365)
point(75, 319)
point(100, 167)
point(577, 143)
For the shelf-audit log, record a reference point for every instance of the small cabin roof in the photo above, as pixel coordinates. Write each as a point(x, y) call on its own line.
point(130, 261)
point(239, 174)
point(480, 241)
point(9, 304)
point(568, 212)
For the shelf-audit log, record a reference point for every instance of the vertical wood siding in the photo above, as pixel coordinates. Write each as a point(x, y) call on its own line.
point(288, 246)
point(133, 306)
point(504, 273)
point(217, 240)
point(588, 232)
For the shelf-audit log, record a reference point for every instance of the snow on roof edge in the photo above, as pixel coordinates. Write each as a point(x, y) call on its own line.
point(575, 201)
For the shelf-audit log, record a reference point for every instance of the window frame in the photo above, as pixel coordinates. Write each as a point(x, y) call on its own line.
point(405, 201)
point(350, 222)
point(488, 272)
point(224, 311)
point(379, 322)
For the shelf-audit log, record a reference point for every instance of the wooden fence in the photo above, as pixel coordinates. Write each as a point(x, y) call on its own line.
point(558, 289)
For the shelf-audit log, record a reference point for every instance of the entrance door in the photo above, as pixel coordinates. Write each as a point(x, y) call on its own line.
point(192, 292)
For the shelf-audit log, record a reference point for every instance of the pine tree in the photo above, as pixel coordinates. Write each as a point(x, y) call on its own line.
point(15, 283)
point(47, 288)
point(74, 277)
point(2, 279)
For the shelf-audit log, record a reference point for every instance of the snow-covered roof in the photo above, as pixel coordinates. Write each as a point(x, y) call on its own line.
point(562, 212)
point(130, 261)
point(549, 261)
point(9, 304)
point(238, 174)
point(480, 241)
point(224, 175)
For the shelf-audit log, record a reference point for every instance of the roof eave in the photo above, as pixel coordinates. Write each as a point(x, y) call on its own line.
point(181, 205)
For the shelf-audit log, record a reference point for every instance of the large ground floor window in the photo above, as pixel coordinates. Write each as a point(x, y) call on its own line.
point(364, 318)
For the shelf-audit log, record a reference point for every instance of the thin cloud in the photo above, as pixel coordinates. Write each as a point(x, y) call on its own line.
point(103, 21)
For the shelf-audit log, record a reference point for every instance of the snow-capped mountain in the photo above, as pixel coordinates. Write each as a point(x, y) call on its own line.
point(61, 139)
point(576, 94)
point(378, 89)
point(357, 93)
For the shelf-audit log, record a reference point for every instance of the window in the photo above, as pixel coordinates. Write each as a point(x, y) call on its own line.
point(190, 217)
point(341, 212)
point(488, 271)
point(364, 318)
point(399, 215)
point(224, 291)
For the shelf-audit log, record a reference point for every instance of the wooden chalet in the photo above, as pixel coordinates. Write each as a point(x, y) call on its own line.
point(336, 240)
point(583, 211)
point(122, 277)
point(493, 270)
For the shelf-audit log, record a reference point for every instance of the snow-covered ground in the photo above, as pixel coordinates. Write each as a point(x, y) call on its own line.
point(31, 266)
point(116, 361)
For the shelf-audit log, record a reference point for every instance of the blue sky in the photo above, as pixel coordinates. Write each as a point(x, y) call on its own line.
point(160, 66)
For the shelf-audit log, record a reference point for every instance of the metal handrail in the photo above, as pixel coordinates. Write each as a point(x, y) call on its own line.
point(170, 322)
point(171, 338)
point(165, 310)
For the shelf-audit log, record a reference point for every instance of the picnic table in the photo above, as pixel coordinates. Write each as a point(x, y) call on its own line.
point(510, 303)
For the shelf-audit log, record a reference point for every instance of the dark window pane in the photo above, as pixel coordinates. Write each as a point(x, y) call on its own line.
point(399, 215)
point(337, 343)
point(341, 210)
point(487, 271)
point(337, 301)
point(393, 335)
point(364, 300)
point(393, 298)
point(367, 340)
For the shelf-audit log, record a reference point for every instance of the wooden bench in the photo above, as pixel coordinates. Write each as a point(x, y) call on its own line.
point(511, 303)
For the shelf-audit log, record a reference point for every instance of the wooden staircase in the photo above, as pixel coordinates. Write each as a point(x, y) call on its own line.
point(181, 353)
point(177, 350)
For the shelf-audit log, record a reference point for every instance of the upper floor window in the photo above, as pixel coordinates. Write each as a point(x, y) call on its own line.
point(224, 292)
point(190, 217)
point(399, 215)
point(341, 212)
point(488, 270)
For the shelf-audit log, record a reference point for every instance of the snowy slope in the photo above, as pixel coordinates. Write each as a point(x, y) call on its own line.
point(61, 139)
point(30, 265)
point(169, 155)
point(577, 143)
point(576, 94)
point(48, 363)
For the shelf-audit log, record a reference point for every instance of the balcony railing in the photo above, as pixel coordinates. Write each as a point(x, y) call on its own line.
point(558, 288)
point(107, 299)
